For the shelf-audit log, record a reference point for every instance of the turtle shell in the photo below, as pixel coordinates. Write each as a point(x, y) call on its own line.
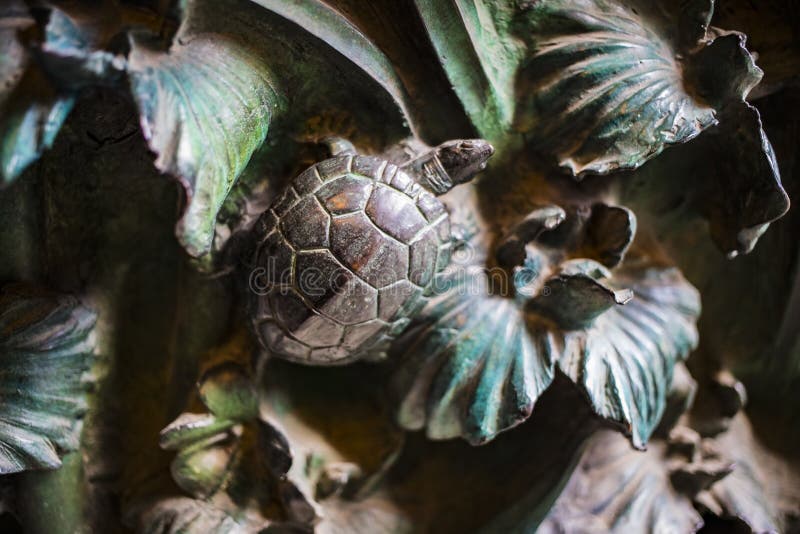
point(348, 252)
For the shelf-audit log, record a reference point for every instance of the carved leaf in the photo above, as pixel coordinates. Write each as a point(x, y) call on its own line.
point(336, 31)
point(747, 194)
point(624, 362)
point(618, 489)
point(205, 107)
point(46, 348)
point(40, 80)
point(287, 465)
point(603, 88)
point(207, 103)
point(770, 26)
point(182, 515)
point(224, 464)
point(473, 368)
point(475, 48)
point(476, 363)
point(743, 493)
point(31, 113)
point(739, 196)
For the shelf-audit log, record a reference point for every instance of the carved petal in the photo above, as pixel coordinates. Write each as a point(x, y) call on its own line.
point(46, 347)
point(190, 428)
point(743, 493)
point(578, 295)
point(472, 368)
point(202, 468)
point(770, 27)
point(617, 489)
point(747, 193)
point(739, 196)
point(602, 87)
point(229, 392)
point(624, 362)
point(475, 364)
point(599, 232)
point(279, 466)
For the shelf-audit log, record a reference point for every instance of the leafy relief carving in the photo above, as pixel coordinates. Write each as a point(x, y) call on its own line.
point(46, 351)
point(477, 359)
point(252, 465)
point(564, 294)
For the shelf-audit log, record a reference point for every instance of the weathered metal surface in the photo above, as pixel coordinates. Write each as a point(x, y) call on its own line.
point(504, 350)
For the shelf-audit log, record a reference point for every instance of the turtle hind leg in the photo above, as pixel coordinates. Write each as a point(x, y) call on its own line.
point(339, 146)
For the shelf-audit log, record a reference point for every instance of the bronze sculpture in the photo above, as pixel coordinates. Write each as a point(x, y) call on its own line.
point(595, 332)
point(349, 249)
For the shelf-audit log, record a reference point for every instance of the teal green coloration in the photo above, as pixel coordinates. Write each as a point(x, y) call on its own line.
point(46, 349)
point(201, 468)
point(205, 108)
point(29, 120)
point(190, 428)
point(473, 368)
point(480, 57)
point(336, 31)
point(206, 443)
point(36, 111)
point(69, 56)
point(27, 133)
point(221, 463)
point(578, 295)
point(602, 88)
point(624, 362)
point(476, 363)
point(229, 393)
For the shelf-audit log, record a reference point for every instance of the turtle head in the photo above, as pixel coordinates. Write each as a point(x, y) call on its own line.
point(462, 159)
point(451, 163)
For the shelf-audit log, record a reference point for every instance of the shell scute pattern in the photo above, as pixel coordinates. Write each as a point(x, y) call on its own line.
point(307, 224)
point(370, 253)
point(345, 195)
point(285, 202)
point(308, 181)
point(350, 249)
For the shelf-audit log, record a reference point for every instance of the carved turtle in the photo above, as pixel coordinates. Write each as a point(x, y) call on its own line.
point(348, 250)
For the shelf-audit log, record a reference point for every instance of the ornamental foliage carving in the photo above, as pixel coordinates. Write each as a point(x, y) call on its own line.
point(399, 266)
